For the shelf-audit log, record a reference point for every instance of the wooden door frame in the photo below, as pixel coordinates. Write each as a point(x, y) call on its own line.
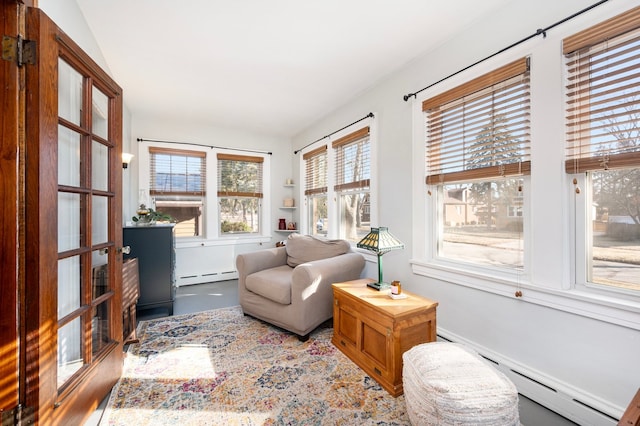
point(12, 237)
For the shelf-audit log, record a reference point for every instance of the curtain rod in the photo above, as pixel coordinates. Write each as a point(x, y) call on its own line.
point(207, 146)
point(370, 115)
point(541, 31)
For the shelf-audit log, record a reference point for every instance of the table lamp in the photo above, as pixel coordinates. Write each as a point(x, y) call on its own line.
point(380, 241)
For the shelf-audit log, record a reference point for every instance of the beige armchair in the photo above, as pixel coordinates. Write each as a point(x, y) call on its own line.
point(290, 286)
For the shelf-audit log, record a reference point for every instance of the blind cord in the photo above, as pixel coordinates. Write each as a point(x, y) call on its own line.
point(541, 31)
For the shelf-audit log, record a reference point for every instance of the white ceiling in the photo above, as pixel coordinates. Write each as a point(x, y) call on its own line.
point(271, 66)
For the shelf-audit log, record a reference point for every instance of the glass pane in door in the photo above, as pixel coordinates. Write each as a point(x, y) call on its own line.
point(68, 221)
point(69, 93)
point(99, 273)
point(100, 113)
point(100, 326)
point(69, 350)
point(68, 157)
point(68, 286)
point(99, 166)
point(99, 216)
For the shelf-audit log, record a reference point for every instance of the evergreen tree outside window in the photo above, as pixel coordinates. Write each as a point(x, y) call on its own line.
point(477, 162)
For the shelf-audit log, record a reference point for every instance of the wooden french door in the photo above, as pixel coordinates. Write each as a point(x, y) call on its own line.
point(67, 350)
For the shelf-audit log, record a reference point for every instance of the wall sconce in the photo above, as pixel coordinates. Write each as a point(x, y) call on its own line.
point(126, 159)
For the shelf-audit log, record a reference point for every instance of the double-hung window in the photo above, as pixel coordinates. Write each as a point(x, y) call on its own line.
point(315, 163)
point(239, 193)
point(352, 155)
point(177, 184)
point(603, 150)
point(477, 162)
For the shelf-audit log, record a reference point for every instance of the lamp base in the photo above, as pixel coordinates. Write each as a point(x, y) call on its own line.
point(379, 286)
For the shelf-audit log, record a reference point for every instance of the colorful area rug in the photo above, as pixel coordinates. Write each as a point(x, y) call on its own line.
point(222, 368)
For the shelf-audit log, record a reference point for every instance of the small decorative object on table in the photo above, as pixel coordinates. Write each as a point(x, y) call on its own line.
point(282, 224)
point(396, 291)
point(291, 226)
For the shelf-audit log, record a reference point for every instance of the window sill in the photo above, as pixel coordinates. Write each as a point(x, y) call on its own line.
point(606, 308)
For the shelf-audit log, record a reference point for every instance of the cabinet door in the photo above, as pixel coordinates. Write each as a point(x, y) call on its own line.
point(345, 323)
point(153, 247)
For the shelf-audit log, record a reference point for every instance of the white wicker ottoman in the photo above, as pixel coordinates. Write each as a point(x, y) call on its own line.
point(449, 384)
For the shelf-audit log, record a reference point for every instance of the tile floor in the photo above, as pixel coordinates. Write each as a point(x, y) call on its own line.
point(196, 298)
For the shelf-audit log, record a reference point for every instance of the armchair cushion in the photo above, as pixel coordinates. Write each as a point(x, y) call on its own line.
point(305, 248)
point(273, 283)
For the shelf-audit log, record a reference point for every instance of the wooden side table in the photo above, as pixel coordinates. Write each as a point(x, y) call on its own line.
point(374, 330)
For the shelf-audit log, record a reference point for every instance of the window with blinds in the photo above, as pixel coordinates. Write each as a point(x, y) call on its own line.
point(353, 160)
point(178, 187)
point(603, 146)
point(240, 180)
point(481, 128)
point(239, 176)
point(352, 154)
point(177, 172)
point(603, 95)
point(315, 163)
point(477, 154)
point(316, 189)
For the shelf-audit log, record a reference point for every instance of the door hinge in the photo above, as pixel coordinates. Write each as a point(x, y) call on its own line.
point(18, 50)
point(19, 415)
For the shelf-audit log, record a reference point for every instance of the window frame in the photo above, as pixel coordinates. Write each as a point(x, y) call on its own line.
point(199, 193)
point(332, 188)
point(481, 89)
point(211, 234)
point(582, 152)
point(256, 194)
point(550, 282)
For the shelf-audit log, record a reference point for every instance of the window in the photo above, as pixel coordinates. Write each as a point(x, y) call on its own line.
point(353, 173)
point(177, 184)
point(603, 148)
point(239, 193)
point(477, 162)
point(316, 190)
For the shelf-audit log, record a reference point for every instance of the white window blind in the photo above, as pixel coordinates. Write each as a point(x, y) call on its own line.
point(239, 176)
point(603, 95)
point(481, 128)
point(316, 171)
point(177, 172)
point(353, 160)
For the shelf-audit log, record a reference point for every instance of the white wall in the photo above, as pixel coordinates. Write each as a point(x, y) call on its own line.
point(196, 261)
point(67, 15)
point(563, 341)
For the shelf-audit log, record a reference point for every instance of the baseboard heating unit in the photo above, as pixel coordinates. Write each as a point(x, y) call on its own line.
point(559, 397)
point(205, 277)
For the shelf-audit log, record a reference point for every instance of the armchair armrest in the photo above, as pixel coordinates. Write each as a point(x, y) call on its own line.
point(316, 277)
point(248, 263)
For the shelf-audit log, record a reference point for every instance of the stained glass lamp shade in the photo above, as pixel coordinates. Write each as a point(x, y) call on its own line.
point(380, 241)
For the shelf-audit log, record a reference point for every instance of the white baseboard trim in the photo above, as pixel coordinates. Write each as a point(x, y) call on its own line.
point(566, 400)
point(206, 277)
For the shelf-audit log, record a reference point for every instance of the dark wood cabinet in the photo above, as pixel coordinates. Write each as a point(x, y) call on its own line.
point(154, 247)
